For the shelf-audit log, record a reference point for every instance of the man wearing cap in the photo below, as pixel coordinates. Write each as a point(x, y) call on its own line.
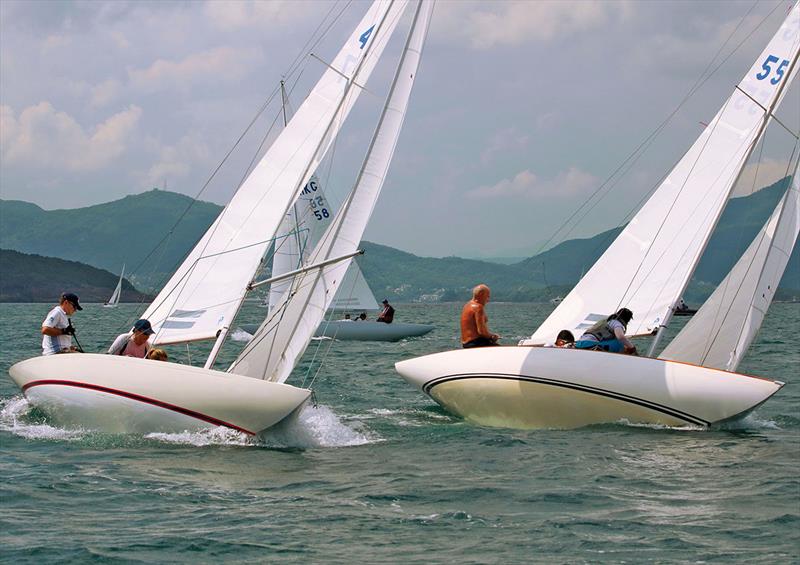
point(133, 343)
point(57, 327)
point(387, 314)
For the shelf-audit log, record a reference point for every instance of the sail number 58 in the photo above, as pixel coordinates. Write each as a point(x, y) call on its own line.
point(767, 69)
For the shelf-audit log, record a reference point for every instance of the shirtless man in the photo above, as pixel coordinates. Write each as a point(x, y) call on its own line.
point(474, 323)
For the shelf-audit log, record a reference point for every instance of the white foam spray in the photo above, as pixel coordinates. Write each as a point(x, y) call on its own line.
point(13, 412)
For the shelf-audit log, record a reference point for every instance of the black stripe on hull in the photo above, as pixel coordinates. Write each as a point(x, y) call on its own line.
point(688, 418)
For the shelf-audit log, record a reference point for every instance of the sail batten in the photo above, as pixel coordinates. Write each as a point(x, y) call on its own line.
point(282, 338)
point(214, 276)
point(648, 266)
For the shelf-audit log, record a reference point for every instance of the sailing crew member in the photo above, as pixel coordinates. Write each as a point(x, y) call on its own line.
point(565, 339)
point(57, 327)
point(387, 314)
point(474, 322)
point(609, 334)
point(133, 343)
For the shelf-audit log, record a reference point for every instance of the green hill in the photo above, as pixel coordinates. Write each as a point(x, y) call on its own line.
point(108, 235)
point(33, 278)
point(138, 230)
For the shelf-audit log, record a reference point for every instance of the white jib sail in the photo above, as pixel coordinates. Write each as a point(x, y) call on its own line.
point(721, 331)
point(282, 338)
point(206, 291)
point(115, 296)
point(648, 266)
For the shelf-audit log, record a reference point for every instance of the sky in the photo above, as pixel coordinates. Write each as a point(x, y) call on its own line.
point(520, 111)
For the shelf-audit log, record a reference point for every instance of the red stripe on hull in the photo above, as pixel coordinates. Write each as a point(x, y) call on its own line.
point(139, 398)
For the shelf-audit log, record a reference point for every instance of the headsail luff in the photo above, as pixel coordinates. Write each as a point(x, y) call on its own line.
point(721, 331)
point(207, 290)
point(282, 338)
point(648, 266)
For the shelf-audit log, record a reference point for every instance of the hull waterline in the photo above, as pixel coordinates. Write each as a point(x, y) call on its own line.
point(125, 395)
point(535, 387)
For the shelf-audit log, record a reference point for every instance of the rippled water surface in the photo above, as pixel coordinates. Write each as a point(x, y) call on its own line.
point(377, 472)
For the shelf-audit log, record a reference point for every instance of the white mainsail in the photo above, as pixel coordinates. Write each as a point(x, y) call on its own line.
point(648, 266)
point(721, 331)
point(117, 294)
point(206, 292)
point(284, 336)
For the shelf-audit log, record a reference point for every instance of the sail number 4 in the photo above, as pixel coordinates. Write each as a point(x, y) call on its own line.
point(767, 69)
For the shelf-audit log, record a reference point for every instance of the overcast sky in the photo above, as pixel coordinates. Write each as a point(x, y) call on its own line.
point(520, 110)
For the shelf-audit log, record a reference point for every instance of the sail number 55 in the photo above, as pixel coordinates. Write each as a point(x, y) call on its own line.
point(767, 69)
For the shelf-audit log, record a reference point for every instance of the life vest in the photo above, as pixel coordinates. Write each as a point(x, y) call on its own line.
point(601, 331)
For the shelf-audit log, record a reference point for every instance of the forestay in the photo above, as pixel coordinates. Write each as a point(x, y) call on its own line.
point(206, 291)
point(284, 336)
point(720, 333)
point(648, 266)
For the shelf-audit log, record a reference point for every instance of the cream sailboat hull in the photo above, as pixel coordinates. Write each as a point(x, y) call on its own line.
point(537, 387)
point(125, 395)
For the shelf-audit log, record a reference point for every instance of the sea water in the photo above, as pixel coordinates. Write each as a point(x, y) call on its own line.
point(376, 472)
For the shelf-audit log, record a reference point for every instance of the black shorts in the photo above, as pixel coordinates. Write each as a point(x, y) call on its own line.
point(479, 342)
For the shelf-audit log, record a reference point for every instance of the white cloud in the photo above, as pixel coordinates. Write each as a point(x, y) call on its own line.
point(46, 138)
point(505, 140)
point(221, 63)
point(175, 161)
point(105, 92)
point(228, 16)
point(526, 184)
point(486, 25)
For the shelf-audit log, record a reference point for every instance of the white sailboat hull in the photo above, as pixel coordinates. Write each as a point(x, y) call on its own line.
point(126, 395)
point(370, 331)
point(536, 387)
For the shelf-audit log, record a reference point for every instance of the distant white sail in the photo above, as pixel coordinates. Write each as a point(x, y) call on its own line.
point(354, 293)
point(283, 337)
point(117, 294)
point(721, 331)
point(207, 290)
point(648, 266)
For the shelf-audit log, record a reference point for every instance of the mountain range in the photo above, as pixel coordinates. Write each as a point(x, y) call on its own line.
point(152, 232)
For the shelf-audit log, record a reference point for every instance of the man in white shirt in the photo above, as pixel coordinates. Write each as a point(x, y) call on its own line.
point(57, 327)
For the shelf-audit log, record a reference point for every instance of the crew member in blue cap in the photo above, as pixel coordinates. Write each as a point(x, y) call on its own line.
point(133, 343)
point(57, 327)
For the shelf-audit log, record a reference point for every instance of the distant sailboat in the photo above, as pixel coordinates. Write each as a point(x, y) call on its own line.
point(114, 300)
point(647, 269)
